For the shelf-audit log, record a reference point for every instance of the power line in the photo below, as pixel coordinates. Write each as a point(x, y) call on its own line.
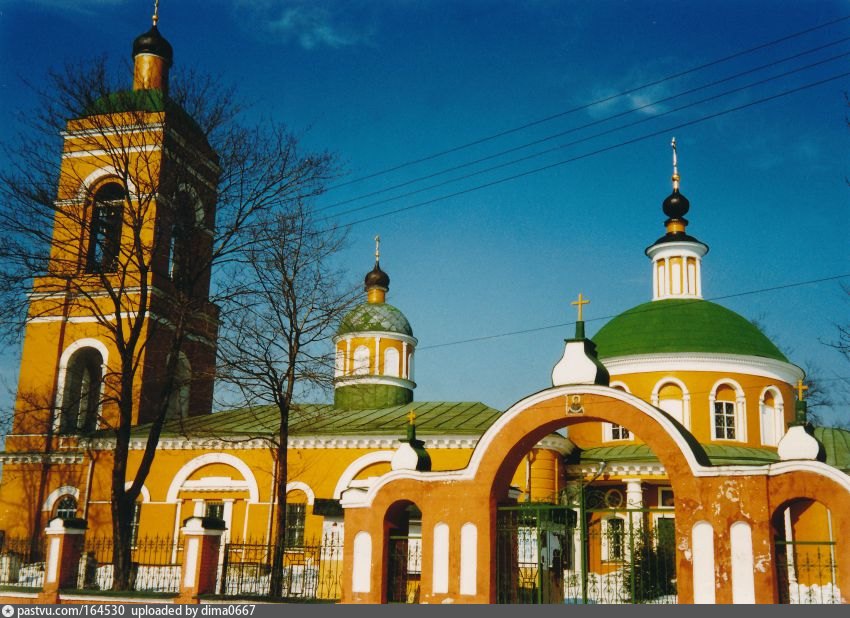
point(648, 309)
point(600, 121)
point(591, 104)
point(572, 143)
point(635, 140)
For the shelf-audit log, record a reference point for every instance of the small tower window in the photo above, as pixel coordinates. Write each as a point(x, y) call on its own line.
point(178, 401)
point(361, 360)
point(81, 394)
point(391, 359)
point(180, 243)
point(105, 241)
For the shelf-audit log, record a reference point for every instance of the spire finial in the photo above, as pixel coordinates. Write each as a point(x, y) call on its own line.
point(377, 249)
point(580, 302)
point(675, 166)
point(800, 388)
point(155, 17)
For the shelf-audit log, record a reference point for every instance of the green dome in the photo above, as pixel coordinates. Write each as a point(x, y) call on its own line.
point(375, 317)
point(682, 325)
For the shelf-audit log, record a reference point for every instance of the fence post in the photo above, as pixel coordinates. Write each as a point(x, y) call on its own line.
point(201, 543)
point(64, 547)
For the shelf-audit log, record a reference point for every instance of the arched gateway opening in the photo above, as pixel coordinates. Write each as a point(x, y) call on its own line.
point(608, 536)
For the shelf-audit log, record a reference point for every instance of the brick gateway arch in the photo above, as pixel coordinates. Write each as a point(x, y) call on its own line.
point(721, 511)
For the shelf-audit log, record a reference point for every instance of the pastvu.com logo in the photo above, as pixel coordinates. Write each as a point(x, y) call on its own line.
point(8, 611)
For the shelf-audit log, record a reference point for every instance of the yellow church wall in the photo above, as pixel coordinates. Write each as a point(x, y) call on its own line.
point(699, 387)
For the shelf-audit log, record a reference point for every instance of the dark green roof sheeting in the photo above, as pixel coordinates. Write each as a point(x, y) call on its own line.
point(682, 325)
point(432, 418)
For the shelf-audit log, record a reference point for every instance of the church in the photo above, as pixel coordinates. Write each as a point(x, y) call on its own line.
point(671, 460)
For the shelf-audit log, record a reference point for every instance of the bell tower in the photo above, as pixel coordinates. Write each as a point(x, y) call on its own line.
point(120, 317)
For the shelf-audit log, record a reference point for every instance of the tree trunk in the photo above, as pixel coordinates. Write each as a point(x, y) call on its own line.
point(279, 547)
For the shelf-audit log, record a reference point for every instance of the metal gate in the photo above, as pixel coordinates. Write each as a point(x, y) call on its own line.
point(585, 551)
point(807, 572)
point(404, 569)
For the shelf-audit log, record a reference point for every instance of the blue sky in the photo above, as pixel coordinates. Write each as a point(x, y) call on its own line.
point(383, 83)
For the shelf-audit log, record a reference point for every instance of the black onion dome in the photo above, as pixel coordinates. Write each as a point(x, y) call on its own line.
point(377, 278)
point(676, 205)
point(152, 42)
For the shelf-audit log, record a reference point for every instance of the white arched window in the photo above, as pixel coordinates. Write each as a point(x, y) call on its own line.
point(361, 360)
point(391, 359)
point(81, 391)
point(178, 401)
point(671, 395)
point(728, 411)
point(771, 416)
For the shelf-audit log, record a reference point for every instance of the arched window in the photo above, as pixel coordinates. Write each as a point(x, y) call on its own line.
point(613, 431)
point(671, 395)
point(361, 360)
point(66, 508)
point(105, 232)
point(391, 359)
point(771, 416)
point(81, 394)
point(727, 408)
point(181, 240)
point(178, 401)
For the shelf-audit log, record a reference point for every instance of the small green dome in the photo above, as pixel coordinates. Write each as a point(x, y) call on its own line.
point(682, 325)
point(375, 317)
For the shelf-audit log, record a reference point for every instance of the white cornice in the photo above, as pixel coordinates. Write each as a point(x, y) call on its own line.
point(114, 130)
point(554, 442)
point(705, 362)
point(365, 334)
point(620, 469)
point(353, 380)
point(30, 458)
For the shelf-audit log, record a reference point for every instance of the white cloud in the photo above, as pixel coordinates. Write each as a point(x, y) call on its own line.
point(310, 24)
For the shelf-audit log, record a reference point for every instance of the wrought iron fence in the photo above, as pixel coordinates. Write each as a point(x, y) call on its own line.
point(807, 572)
point(22, 563)
point(311, 571)
point(155, 565)
point(551, 554)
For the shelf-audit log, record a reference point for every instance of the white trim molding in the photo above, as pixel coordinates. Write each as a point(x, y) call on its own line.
point(695, 361)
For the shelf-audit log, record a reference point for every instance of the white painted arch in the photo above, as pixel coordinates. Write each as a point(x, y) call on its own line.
point(53, 496)
point(144, 494)
point(299, 486)
point(212, 458)
point(98, 175)
point(357, 466)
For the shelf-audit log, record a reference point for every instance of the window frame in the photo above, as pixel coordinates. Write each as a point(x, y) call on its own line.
point(105, 229)
point(296, 519)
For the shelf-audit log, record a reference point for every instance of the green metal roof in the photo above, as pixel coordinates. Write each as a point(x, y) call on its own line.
point(375, 317)
point(836, 446)
point(718, 454)
point(432, 418)
point(682, 325)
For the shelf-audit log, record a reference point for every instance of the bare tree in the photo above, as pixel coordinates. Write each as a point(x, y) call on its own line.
point(274, 343)
point(133, 226)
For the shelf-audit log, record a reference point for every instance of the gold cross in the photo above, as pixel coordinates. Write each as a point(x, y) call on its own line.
point(155, 12)
point(581, 301)
point(800, 388)
point(377, 248)
point(412, 417)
